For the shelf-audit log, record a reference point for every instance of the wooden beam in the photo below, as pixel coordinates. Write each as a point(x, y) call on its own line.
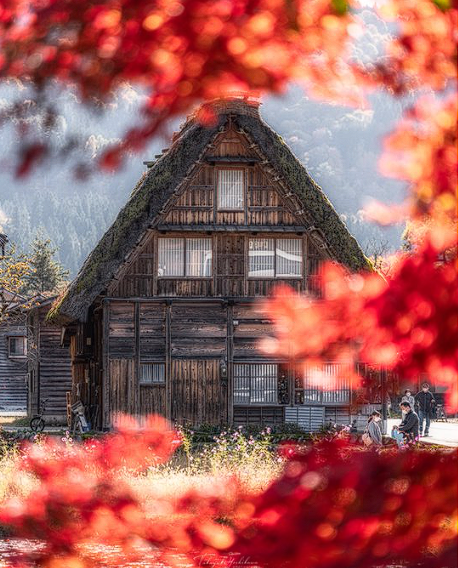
point(106, 421)
point(137, 354)
point(235, 228)
point(232, 159)
point(168, 361)
point(230, 364)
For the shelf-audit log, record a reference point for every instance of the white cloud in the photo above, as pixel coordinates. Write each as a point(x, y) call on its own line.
point(357, 117)
point(97, 142)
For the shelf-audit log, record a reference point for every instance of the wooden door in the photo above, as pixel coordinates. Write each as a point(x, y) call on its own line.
point(230, 265)
point(197, 394)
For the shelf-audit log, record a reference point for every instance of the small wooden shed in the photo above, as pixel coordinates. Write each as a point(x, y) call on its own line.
point(49, 365)
point(13, 359)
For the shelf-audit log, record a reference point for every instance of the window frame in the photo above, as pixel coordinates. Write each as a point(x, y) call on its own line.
point(251, 364)
point(24, 343)
point(152, 383)
point(308, 394)
point(185, 248)
point(275, 277)
point(218, 193)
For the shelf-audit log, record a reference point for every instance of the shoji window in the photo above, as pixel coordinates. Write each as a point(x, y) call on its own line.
point(255, 383)
point(198, 257)
point(231, 189)
point(170, 257)
point(275, 258)
point(261, 258)
point(184, 257)
point(289, 257)
point(329, 383)
point(152, 373)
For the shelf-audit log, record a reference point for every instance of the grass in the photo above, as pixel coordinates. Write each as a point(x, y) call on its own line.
point(13, 482)
point(15, 420)
point(250, 459)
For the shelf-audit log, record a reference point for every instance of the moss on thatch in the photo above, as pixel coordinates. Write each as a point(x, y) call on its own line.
point(158, 185)
point(343, 246)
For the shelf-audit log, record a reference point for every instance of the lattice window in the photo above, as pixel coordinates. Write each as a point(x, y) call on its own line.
point(255, 383)
point(231, 190)
point(179, 257)
point(328, 384)
point(289, 257)
point(275, 258)
point(198, 257)
point(152, 373)
point(17, 347)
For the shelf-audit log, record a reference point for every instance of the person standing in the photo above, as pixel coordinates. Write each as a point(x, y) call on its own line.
point(425, 402)
point(407, 431)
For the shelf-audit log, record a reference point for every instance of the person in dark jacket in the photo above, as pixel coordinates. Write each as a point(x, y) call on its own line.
point(425, 401)
point(408, 428)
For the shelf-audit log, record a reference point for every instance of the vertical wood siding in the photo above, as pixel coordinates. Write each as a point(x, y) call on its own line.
point(263, 202)
point(221, 267)
point(197, 396)
point(51, 366)
point(124, 391)
point(13, 372)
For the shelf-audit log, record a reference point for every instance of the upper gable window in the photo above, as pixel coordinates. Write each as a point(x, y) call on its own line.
point(231, 190)
point(275, 258)
point(17, 347)
point(184, 257)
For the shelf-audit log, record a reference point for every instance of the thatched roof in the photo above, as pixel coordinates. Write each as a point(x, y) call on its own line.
point(159, 183)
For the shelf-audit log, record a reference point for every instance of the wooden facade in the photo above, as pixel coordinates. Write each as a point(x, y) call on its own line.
point(13, 363)
point(175, 329)
point(48, 366)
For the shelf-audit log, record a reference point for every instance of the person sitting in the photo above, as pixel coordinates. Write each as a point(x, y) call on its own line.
point(407, 431)
point(408, 397)
point(425, 402)
point(373, 435)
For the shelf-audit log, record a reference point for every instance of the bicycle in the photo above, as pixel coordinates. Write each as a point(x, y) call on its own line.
point(440, 413)
point(37, 423)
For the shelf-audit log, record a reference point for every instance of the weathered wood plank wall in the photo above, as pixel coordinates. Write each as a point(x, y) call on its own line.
point(229, 278)
point(13, 371)
point(50, 368)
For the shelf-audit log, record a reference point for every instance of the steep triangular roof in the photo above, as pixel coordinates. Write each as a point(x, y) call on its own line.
point(158, 185)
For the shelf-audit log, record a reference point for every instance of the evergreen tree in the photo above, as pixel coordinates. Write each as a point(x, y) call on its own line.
point(47, 273)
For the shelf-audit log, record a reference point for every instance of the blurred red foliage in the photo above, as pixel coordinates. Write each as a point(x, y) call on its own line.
point(423, 151)
point(409, 322)
point(335, 505)
point(185, 52)
point(332, 506)
point(337, 508)
point(423, 51)
point(179, 52)
point(81, 494)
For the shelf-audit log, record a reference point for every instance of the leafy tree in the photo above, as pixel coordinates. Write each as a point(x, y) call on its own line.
point(14, 270)
point(46, 273)
point(406, 239)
